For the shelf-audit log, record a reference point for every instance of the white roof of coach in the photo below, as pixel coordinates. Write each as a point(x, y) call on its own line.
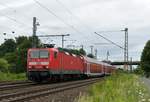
point(93, 60)
point(106, 64)
point(96, 61)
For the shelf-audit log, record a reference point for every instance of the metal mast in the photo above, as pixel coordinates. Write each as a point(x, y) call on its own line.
point(126, 55)
point(34, 39)
point(62, 35)
point(34, 33)
point(91, 49)
point(96, 53)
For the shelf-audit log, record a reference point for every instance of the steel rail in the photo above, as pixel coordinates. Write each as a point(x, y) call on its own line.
point(50, 89)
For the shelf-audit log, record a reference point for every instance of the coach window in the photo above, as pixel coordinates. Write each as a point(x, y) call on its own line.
point(55, 54)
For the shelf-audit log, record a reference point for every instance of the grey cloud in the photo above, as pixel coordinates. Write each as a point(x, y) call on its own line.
point(98, 15)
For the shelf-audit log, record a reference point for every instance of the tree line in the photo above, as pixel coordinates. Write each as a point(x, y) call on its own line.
point(144, 67)
point(145, 60)
point(13, 54)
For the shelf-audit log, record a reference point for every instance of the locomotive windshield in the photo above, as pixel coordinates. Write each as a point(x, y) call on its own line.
point(43, 54)
point(39, 54)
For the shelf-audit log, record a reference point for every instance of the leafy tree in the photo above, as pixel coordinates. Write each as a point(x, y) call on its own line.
point(82, 51)
point(21, 60)
point(138, 70)
point(38, 42)
point(145, 59)
point(22, 48)
point(15, 52)
point(11, 58)
point(91, 55)
point(3, 65)
point(24, 43)
point(74, 51)
point(8, 46)
point(20, 39)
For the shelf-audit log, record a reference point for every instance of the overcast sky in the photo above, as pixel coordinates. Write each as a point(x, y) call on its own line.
point(81, 18)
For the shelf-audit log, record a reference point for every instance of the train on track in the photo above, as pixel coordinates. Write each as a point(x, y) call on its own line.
point(54, 64)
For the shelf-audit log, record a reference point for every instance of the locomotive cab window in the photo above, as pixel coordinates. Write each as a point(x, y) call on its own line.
point(34, 54)
point(55, 54)
point(43, 54)
point(39, 54)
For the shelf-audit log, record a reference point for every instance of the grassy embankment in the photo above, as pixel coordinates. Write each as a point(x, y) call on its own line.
point(12, 76)
point(118, 88)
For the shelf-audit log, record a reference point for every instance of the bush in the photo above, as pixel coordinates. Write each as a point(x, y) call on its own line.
point(12, 77)
point(118, 88)
point(91, 55)
point(138, 71)
point(4, 65)
point(145, 59)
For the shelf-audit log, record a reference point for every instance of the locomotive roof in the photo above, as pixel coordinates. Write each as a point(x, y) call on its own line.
point(43, 49)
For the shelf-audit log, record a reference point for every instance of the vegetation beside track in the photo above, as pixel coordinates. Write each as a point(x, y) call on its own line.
point(145, 60)
point(12, 76)
point(121, 87)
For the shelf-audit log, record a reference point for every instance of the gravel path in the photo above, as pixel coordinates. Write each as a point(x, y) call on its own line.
point(65, 96)
point(146, 82)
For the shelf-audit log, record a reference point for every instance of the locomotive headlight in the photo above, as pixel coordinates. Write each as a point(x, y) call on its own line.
point(47, 67)
point(30, 67)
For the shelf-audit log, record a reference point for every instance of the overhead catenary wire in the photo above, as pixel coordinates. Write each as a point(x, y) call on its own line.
point(59, 18)
point(109, 40)
point(4, 5)
point(17, 21)
point(52, 13)
point(11, 8)
point(12, 19)
point(86, 26)
point(58, 1)
point(65, 7)
point(111, 31)
point(76, 17)
point(102, 43)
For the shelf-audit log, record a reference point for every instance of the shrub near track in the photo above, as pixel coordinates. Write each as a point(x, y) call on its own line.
point(12, 76)
point(120, 87)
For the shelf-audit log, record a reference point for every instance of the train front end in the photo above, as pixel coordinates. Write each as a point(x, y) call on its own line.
point(38, 62)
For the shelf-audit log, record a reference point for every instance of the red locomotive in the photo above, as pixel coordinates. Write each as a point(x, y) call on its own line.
point(52, 63)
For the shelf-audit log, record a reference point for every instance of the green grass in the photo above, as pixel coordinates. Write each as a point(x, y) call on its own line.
point(12, 76)
point(118, 88)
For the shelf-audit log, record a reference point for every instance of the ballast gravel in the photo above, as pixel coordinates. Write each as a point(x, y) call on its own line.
point(70, 95)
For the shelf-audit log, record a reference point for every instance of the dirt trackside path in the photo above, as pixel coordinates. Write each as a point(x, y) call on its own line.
point(146, 82)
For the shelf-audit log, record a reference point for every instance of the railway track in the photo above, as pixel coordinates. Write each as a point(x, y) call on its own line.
point(12, 85)
point(45, 90)
point(2, 83)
